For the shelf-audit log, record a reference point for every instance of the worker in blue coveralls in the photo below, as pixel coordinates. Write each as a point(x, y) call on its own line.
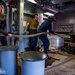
point(46, 25)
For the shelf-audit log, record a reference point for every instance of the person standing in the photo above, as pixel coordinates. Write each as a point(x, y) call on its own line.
point(46, 25)
point(32, 26)
point(3, 39)
point(15, 27)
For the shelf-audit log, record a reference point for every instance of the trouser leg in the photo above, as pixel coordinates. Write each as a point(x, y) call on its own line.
point(3, 40)
point(33, 43)
point(33, 40)
point(45, 41)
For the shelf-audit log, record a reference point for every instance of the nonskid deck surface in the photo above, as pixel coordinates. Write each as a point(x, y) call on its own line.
point(66, 65)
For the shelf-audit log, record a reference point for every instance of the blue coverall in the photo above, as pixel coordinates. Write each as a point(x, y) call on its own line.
point(3, 32)
point(46, 25)
point(3, 39)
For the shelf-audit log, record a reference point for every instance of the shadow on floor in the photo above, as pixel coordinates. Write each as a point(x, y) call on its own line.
point(50, 62)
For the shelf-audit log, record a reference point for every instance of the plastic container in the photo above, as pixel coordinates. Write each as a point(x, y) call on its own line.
point(33, 62)
point(9, 59)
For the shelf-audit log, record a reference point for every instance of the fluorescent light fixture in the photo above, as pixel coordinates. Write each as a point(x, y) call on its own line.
point(49, 14)
point(22, 4)
point(32, 1)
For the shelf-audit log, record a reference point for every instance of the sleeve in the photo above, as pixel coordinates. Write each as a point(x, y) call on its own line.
point(4, 24)
point(3, 32)
point(29, 21)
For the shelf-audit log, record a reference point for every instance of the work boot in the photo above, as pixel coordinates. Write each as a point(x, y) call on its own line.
point(48, 57)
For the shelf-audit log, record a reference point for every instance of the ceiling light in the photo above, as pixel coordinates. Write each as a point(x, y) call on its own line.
point(32, 1)
point(49, 14)
point(22, 4)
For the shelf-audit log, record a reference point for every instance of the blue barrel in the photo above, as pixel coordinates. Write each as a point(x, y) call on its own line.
point(0, 58)
point(2, 72)
point(33, 62)
point(9, 59)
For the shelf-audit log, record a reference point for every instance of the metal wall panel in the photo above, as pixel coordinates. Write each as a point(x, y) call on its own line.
point(66, 19)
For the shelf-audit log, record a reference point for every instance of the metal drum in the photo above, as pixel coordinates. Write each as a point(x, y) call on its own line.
point(9, 59)
point(33, 62)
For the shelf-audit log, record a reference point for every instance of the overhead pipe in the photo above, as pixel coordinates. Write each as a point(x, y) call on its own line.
point(62, 7)
point(53, 10)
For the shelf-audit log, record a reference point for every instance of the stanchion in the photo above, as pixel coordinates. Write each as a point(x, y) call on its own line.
point(8, 59)
point(33, 62)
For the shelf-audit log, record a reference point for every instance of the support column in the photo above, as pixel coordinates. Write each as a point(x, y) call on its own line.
point(20, 9)
point(10, 18)
point(9, 22)
point(40, 15)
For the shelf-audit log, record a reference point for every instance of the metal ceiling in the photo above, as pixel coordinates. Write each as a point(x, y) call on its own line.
point(57, 5)
point(60, 1)
point(4, 0)
point(53, 1)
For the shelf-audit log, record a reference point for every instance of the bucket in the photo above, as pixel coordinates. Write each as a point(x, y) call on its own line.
point(9, 59)
point(33, 62)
